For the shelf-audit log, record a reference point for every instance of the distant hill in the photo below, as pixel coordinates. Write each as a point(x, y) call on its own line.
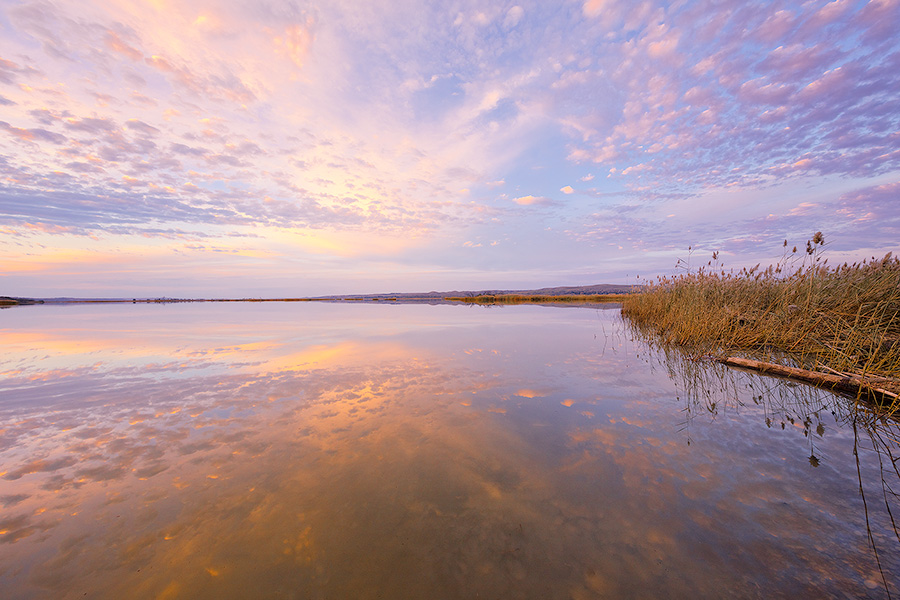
point(577, 290)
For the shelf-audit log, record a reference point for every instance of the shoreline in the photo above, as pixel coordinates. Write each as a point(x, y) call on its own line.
point(597, 293)
point(500, 300)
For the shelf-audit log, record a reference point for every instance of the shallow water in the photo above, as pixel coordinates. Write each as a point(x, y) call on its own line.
point(403, 451)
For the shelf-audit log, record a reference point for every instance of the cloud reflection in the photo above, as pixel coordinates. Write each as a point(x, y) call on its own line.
point(398, 464)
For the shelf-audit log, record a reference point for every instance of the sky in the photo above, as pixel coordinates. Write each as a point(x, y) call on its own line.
point(218, 148)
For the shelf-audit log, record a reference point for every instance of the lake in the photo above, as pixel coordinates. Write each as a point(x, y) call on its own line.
point(348, 450)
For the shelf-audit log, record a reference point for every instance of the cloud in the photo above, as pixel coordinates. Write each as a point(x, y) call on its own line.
point(532, 201)
point(593, 8)
point(115, 43)
point(801, 87)
point(295, 42)
point(137, 125)
point(34, 134)
point(873, 210)
point(90, 125)
point(11, 72)
point(513, 16)
point(354, 122)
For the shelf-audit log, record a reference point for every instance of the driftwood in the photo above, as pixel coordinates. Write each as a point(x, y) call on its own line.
point(856, 386)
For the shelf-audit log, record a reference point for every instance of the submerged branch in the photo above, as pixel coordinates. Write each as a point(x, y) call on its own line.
point(857, 386)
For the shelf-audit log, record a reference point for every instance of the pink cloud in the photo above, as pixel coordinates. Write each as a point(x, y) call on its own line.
point(662, 47)
point(878, 19)
point(832, 83)
point(833, 12)
point(741, 117)
point(775, 27)
point(804, 208)
point(532, 201)
point(759, 91)
point(699, 96)
point(797, 62)
point(880, 198)
point(115, 43)
point(295, 42)
point(32, 134)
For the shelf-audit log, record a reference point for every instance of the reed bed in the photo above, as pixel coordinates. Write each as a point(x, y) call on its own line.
point(800, 312)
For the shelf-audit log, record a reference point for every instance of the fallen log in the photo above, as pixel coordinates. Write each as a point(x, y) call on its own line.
point(855, 386)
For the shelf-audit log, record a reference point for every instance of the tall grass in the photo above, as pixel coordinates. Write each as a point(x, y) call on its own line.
point(800, 311)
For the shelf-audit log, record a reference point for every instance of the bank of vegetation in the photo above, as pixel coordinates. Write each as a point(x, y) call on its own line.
point(538, 299)
point(11, 301)
point(834, 326)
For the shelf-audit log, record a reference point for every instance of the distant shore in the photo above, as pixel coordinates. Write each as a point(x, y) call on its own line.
point(598, 293)
point(479, 300)
point(11, 301)
point(540, 299)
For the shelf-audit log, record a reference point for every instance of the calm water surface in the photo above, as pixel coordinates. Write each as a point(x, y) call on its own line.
point(403, 451)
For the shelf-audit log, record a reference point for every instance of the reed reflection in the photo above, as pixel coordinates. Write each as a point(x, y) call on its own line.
point(511, 456)
point(854, 427)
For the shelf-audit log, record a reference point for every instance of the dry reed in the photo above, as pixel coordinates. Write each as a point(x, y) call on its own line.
point(841, 320)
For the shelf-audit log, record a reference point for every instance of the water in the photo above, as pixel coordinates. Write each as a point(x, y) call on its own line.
point(402, 451)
